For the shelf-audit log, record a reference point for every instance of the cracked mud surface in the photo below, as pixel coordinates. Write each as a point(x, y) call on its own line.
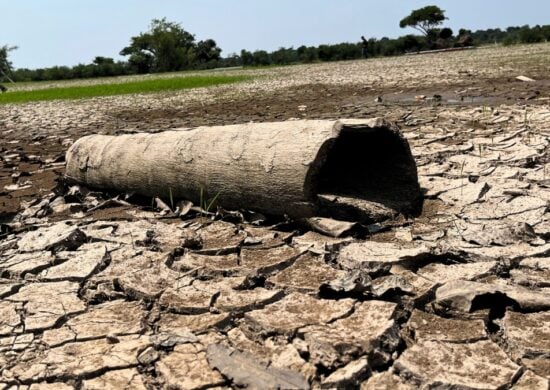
point(106, 292)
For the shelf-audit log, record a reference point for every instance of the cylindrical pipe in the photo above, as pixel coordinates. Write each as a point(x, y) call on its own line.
point(275, 168)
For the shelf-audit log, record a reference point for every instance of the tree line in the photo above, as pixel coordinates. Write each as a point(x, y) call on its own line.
point(167, 47)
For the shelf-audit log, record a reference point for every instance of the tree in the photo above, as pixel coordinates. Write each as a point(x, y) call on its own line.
point(531, 35)
point(424, 19)
point(247, 58)
point(410, 43)
point(446, 33)
point(5, 64)
point(168, 47)
point(261, 57)
point(307, 54)
point(208, 51)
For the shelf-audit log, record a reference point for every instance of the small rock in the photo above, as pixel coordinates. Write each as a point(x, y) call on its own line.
point(525, 78)
point(148, 356)
point(112, 339)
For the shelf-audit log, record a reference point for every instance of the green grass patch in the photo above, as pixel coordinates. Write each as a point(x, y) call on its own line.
point(124, 88)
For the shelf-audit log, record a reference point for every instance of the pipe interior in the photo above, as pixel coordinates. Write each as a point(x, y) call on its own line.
point(372, 165)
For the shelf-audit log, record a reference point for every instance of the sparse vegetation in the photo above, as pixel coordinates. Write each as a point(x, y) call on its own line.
point(206, 203)
point(123, 88)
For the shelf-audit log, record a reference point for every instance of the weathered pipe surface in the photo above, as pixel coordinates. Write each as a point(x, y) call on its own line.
point(346, 169)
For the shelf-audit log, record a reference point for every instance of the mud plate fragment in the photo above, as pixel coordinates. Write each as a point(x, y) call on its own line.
point(60, 236)
point(527, 335)
point(376, 257)
point(110, 318)
point(295, 311)
point(114, 380)
point(187, 368)
point(369, 330)
point(350, 375)
point(244, 370)
point(385, 381)
point(424, 326)
point(462, 296)
point(479, 365)
point(100, 355)
point(47, 303)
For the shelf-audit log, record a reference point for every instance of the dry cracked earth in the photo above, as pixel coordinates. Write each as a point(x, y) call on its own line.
point(112, 291)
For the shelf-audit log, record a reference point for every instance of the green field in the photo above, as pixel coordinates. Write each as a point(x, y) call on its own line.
point(124, 88)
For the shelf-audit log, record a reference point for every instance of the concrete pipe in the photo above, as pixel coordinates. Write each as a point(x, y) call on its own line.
point(345, 169)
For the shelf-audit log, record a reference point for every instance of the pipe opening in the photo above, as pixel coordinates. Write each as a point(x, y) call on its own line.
point(368, 174)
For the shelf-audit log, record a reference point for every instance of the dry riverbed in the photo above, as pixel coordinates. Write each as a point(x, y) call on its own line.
point(101, 290)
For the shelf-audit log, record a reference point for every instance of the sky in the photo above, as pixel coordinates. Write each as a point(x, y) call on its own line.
point(68, 32)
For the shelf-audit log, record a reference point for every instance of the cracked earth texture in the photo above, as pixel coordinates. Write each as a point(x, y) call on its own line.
point(112, 291)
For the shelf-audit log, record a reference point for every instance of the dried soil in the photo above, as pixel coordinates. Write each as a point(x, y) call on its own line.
point(100, 291)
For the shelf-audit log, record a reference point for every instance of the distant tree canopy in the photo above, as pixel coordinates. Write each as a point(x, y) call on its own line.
point(168, 47)
point(5, 64)
point(424, 19)
point(445, 33)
